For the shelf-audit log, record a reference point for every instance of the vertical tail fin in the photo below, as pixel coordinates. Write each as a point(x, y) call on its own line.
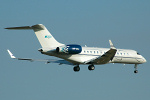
point(44, 36)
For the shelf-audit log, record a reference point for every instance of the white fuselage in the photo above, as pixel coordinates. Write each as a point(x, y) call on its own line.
point(122, 56)
point(74, 54)
point(52, 47)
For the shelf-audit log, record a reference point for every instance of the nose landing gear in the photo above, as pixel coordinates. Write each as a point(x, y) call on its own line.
point(135, 71)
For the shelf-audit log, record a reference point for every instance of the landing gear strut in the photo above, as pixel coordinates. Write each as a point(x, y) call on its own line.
point(135, 71)
point(76, 68)
point(91, 67)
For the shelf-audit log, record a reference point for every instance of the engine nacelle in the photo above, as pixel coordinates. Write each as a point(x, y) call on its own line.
point(69, 49)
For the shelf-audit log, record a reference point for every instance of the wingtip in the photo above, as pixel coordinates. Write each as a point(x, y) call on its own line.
point(111, 44)
point(11, 55)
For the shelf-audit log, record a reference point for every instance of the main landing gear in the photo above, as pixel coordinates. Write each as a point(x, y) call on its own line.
point(135, 71)
point(77, 68)
point(91, 67)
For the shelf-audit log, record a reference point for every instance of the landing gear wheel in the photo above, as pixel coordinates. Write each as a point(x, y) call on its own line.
point(91, 67)
point(136, 71)
point(76, 69)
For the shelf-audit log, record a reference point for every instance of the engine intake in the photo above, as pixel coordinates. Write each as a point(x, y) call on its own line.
point(69, 49)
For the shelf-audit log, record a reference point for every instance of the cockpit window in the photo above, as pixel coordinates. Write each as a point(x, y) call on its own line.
point(138, 53)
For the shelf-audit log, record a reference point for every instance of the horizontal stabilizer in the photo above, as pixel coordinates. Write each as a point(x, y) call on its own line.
point(20, 28)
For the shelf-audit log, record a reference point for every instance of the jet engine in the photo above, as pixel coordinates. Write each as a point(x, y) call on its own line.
point(69, 49)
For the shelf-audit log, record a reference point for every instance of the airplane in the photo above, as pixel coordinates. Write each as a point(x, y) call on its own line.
point(74, 54)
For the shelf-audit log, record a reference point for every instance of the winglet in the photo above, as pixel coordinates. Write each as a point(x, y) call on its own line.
point(11, 55)
point(111, 45)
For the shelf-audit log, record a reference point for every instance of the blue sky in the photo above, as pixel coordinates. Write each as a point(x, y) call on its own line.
point(84, 22)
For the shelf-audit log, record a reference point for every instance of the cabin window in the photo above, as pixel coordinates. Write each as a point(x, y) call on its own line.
point(90, 51)
point(87, 51)
point(84, 51)
point(94, 51)
point(97, 51)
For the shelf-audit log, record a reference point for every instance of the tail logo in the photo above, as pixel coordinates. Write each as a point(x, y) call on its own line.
point(48, 36)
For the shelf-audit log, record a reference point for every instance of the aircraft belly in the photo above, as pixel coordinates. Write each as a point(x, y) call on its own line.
point(81, 58)
point(75, 58)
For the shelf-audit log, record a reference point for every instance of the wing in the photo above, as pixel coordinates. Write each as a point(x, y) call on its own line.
point(43, 60)
point(105, 58)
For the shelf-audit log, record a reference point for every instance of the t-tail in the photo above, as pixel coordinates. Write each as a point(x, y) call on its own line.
point(45, 38)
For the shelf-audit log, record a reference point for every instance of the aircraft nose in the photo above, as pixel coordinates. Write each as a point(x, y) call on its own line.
point(144, 60)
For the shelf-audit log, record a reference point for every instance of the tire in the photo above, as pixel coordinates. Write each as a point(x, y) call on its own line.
point(91, 67)
point(136, 71)
point(76, 69)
